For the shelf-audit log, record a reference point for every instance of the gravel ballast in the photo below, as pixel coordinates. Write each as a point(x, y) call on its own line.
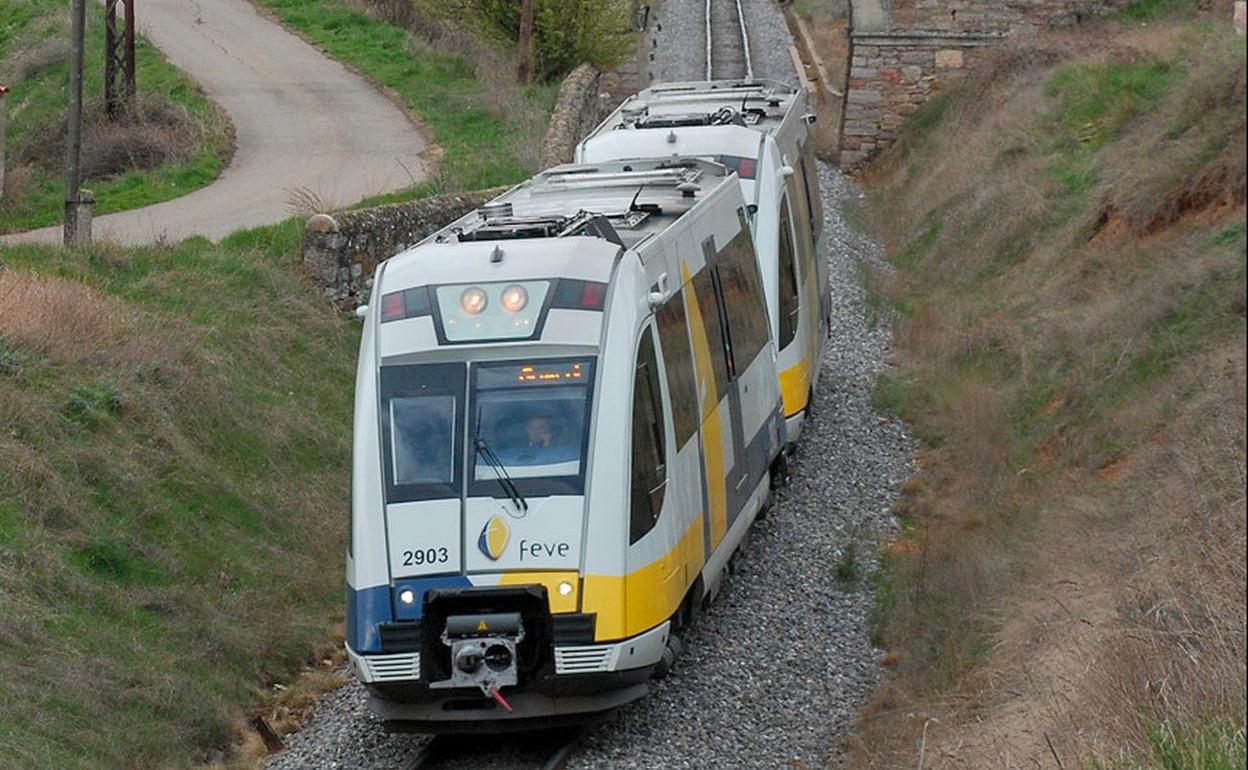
point(775, 669)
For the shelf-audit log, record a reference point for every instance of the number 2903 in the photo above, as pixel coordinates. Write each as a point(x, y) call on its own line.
point(423, 556)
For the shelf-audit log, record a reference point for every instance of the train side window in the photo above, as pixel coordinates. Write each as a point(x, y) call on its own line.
point(716, 335)
point(788, 278)
point(649, 466)
point(743, 297)
point(801, 210)
point(678, 359)
point(810, 170)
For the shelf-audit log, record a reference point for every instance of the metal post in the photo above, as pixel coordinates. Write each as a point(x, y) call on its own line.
point(129, 43)
point(119, 87)
point(73, 149)
point(3, 90)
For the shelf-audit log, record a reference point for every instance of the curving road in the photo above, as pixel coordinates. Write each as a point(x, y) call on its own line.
point(303, 122)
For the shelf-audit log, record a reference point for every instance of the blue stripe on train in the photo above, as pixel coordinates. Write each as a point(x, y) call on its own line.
point(367, 608)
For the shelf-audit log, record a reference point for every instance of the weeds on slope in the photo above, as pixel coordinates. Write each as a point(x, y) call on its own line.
point(1068, 232)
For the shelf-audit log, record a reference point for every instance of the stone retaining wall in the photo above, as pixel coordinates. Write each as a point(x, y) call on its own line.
point(578, 110)
point(340, 251)
point(891, 76)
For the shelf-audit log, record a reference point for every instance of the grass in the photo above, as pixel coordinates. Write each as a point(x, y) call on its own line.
point(34, 64)
point(1067, 235)
point(176, 450)
point(485, 142)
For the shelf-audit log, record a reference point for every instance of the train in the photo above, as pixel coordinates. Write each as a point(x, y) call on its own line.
point(761, 130)
point(571, 405)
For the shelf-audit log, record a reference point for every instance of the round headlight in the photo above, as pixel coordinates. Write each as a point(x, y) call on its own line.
point(407, 596)
point(565, 588)
point(473, 300)
point(515, 298)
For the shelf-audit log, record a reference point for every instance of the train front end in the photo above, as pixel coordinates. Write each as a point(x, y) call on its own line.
point(475, 408)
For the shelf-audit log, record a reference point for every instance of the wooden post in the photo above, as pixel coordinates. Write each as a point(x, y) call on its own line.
point(73, 148)
point(524, 63)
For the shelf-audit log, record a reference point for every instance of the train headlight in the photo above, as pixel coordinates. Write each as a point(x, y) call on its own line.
point(565, 588)
point(473, 300)
point(515, 298)
point(407, 596)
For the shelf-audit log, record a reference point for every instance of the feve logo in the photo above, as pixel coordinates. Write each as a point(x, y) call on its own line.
point(494, 536)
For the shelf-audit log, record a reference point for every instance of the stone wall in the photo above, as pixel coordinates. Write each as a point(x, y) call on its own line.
point(578, 110)
point(904, 51)
point(340, 251)
point(891, 76)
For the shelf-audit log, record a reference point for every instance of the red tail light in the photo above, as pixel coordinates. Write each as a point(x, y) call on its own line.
point(593, 295)
point(392, 306)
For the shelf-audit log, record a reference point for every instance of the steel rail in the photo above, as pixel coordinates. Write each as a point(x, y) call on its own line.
point(745, 41)
point(437, 750)
point(709, 42)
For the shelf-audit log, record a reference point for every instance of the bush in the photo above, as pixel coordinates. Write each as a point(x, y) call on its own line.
point(566, 32)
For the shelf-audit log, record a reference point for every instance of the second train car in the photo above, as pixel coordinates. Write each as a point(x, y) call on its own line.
point(761, 129)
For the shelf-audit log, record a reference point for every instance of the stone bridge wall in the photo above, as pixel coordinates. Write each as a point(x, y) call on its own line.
point(904, 51)
point(340, 251)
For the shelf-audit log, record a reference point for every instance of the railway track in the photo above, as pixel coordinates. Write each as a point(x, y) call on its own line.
point(547, 751)
point(727, 41)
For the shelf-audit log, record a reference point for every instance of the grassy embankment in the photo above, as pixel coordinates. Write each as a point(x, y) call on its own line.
point(177, 142)
point(1068, 232)
point(174, 430)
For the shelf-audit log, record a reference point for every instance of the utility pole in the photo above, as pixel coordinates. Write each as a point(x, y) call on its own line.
point(119, 85)
point(73, 149)
point(524, 63)
point(3, 90)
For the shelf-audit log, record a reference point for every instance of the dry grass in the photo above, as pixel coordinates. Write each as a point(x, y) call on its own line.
point(150, 134)
point(1069, 235)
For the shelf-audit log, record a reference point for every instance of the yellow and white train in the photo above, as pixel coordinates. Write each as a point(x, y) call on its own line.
point(760, 129)
point(568, 414)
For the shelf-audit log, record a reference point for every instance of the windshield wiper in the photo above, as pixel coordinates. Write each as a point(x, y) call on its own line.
point(500, 472)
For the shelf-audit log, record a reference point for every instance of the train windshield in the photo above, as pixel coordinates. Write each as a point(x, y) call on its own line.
point(533, 417)
point(422, 428)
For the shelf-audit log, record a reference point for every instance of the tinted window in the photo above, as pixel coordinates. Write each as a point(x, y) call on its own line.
point(743, 298)
point(421, 427)
point(678, 360)
point(810, 169)
point(801, 211)
point(788, 278)
point(534, 417)
point(422, 434)
point(649, 468)
point(708, 304)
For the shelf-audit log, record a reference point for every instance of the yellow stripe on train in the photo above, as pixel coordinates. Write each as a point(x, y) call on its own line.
point(630, 604)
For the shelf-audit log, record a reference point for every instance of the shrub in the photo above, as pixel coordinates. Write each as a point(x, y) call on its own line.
point(566, 32)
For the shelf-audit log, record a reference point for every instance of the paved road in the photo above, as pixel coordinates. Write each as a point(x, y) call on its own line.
point(303, 122)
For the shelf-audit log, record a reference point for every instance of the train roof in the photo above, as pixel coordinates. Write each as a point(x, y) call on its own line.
point(762, 105)
point(625, 202)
